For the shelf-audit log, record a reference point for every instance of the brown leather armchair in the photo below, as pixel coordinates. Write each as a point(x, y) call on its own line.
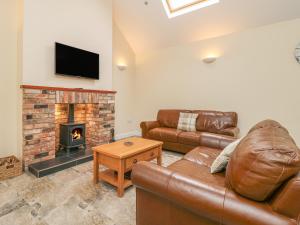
point(213, 127)
point(186, 193)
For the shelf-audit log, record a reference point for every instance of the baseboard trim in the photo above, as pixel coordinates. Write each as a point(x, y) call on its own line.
point(127, 135)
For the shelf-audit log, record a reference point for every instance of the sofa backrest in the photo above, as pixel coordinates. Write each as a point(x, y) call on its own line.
point(214, 121)
point(264, 160)
point(169, 117)
point(268, 123)
point(209, 121)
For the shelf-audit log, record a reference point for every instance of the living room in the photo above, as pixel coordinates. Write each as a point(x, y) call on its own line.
point(211, 76)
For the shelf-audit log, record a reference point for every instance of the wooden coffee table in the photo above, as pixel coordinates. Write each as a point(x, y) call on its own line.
point(119, 158)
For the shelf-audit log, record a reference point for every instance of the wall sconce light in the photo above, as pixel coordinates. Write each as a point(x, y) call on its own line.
point(209, 60)
point(122, 67)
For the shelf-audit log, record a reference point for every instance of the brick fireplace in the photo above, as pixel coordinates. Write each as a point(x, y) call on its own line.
point(45, 109)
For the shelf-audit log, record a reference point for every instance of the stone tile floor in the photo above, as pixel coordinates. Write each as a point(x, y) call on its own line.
point(68, 197)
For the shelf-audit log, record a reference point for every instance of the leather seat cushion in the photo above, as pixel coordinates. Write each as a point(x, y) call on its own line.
point(202, 155)
point(263, 160)
point(164, 134)
point(198, 172)
point(189, 138)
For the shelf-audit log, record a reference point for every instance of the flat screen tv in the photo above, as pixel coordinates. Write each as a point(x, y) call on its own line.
point(72, 61)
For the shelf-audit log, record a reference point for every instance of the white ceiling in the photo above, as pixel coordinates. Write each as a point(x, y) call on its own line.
point(148, 27)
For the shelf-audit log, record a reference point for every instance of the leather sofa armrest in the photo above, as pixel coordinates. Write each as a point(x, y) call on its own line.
point(148, 125)
point(151, 177)
point(206, 200)
point(231, 131)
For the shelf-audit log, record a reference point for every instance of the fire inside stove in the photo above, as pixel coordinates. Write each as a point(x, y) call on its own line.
point(76, 134)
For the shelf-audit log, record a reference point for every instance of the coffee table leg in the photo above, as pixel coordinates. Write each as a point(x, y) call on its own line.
point(96, 167)
point(159, 157)
point(121, 172)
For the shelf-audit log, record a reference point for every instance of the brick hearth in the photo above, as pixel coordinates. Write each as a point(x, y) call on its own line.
point(44, 108)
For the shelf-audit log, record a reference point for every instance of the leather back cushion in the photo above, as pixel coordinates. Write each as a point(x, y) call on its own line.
point(262, 161)
point(267, 123)
point(214, 121)
point(169, 117)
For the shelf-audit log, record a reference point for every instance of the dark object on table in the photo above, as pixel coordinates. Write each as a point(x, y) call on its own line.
point(128, 143)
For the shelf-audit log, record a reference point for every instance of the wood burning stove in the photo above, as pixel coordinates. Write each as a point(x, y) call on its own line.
point(72, 135)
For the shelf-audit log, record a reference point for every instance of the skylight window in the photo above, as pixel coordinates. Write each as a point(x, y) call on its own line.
point(179, 7)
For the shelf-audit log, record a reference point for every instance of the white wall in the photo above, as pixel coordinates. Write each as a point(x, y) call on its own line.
point(80, 23)
point(9, 79)
point(123, 83)
point(256, 76)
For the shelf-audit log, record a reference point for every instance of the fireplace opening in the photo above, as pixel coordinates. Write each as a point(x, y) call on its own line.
point(77, 134)
point(72, 135)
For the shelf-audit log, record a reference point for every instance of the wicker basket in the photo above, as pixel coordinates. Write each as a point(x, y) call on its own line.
point(10, 167)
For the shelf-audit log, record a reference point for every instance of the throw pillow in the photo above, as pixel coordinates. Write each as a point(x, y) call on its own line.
point(187, 122)
point(222, 160)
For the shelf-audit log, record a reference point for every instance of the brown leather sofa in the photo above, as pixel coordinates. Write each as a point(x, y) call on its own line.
point(261, 185)
point(213, 128)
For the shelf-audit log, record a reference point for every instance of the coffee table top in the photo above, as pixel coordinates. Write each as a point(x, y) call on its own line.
point(120, 150)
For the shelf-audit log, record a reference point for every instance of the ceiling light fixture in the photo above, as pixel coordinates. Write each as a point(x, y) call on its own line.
point(179, 7)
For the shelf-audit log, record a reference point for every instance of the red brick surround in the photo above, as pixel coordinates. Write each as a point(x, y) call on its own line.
point(44, 108)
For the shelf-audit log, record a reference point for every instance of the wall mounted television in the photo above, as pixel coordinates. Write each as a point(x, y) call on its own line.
point(72, 61)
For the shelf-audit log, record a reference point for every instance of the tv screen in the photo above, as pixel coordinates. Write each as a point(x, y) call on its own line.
point(76, 62)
